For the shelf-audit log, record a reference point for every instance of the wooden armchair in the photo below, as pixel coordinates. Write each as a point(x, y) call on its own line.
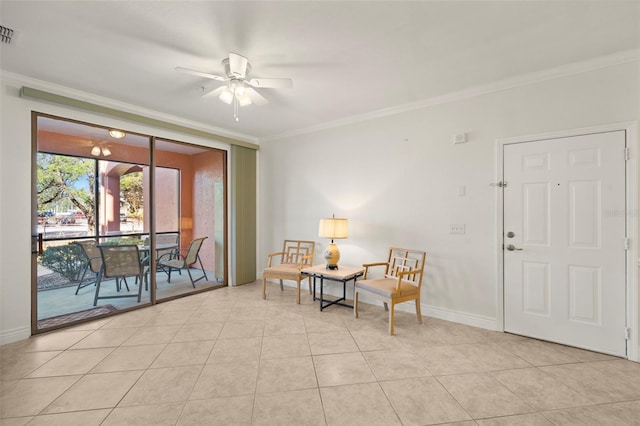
point(401, 281)
point(295, 255)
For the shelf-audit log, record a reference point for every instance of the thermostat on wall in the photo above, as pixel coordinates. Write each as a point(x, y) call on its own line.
point(460, 138)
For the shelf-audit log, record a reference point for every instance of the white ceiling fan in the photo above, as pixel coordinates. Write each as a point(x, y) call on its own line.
point(240, 89)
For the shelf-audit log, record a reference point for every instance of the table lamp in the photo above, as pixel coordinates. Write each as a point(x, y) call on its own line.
point(334, 228)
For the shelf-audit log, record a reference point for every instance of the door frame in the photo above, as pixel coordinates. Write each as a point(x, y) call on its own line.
point(632, 187)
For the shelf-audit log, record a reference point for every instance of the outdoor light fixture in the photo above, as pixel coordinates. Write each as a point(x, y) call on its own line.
point(117, 134)
point(96, 151)
point(333, 228)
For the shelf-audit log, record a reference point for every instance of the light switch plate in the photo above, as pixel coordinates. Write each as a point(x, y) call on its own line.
point(456, 229)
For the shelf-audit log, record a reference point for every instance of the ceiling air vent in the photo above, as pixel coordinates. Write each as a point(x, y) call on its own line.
point(5, 34)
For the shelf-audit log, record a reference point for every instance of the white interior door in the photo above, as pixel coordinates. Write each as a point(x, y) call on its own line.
point(564, 238)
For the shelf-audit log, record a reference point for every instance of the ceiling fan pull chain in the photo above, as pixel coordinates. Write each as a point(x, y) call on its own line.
point(235, 108)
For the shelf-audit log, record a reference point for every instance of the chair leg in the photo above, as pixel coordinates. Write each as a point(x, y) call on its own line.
point(391, 318)
point(386, 306)
point(298, 282)
point(191, 278)
point(264, 287)
point(355, 304)
point(309, 278)
point(98, 282)
point(418, 311)
point(281, 286)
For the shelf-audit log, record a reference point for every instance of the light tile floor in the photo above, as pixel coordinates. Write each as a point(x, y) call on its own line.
point(228, 357)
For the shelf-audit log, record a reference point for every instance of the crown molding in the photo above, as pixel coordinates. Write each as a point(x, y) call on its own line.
point(510, 83)
point(90, 98)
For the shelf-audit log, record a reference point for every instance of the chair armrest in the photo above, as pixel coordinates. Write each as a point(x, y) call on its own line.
point(370, 265)
point(272, 255)
point(403, 273)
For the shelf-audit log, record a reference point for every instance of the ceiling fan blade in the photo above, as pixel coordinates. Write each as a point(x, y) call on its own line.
point(238, 65)
point(272, 83)
point(214, 92)
point(256, 97)
point(201, 74)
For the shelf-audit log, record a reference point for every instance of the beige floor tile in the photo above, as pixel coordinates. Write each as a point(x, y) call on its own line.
point(28, 397)
point(134, 319)
point(156, 415)
point(289, 345)
point(226, 379)
point(360, 404)
point(629, 411)
point(313, 324)
point(79, 361)
point(459, 334)
point(332, 343)
point(246, 328)
point(621, 370)
point(491, 357)
point(82, 418)
point(540, 390)
point(595, 415)
point(199, 331)
point(248, 312)
point(16, 421)
point(342, 369)
point(104, 339)
point(533, 419)
point(178, 317)
point(126, 358)
point(377, 341)
point(162, 385)
point(95, 391)
point(581, 354)
point(152, 335)
point(241, 350)
point(483, 396)
point(593, 384)
point(16, 365)
point(423, 401)
point(210, 316)
point(448, 359)
point(282, 326)
point(292, 408)
point(394, 365)
point(284, 374)
point(55, 341)
point(235, 410)
point(537, 353)
point(184, 353)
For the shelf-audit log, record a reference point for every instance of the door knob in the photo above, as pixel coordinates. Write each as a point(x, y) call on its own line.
point(511, 247)
point(510, 234)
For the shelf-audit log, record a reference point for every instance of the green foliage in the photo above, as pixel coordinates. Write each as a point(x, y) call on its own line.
point(131, 190)
point(63, 178)
point(67, 260)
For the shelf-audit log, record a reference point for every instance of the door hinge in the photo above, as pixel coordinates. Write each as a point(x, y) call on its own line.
point(627, 243)
point(627, 153)
point(627, 333)
point(499, 184)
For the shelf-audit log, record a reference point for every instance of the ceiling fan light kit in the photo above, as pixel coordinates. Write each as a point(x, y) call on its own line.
point(239, 90)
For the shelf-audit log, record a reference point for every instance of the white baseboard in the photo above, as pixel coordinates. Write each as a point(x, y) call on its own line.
point(14, 335)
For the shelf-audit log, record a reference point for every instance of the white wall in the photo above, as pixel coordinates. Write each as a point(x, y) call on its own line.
point(396, 178)
point(15, 186)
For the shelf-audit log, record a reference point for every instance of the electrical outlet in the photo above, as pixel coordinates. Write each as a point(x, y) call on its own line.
point(456, 229)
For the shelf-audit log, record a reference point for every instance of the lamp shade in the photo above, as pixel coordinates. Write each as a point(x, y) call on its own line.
point(334, 228)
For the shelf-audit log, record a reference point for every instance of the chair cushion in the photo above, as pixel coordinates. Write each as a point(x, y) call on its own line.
point(387, 287)
point(283, 269)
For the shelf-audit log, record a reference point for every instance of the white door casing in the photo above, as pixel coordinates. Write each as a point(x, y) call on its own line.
point(565, 202)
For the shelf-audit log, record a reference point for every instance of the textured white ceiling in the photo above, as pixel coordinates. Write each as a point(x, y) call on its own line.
point(345, 58)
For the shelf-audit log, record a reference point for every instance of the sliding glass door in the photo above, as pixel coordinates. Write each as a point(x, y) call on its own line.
point(96, 187)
